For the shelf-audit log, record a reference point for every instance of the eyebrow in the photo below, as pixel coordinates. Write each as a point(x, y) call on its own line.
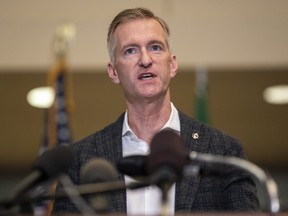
point(129, 45)
point(149, 43)
point(156, 42)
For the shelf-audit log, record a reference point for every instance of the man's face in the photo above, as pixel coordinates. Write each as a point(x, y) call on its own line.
point(143, 63)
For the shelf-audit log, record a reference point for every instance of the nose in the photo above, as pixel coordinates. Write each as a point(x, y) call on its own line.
point(145, 60)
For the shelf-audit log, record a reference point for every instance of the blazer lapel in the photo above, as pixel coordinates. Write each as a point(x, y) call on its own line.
point(187, 187)
point(115, 153)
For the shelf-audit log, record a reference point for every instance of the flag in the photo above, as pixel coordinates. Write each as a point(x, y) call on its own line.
point(201, 91)
point(57, 130)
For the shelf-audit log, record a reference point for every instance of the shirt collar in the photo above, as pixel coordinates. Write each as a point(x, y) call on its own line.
point(173, 122)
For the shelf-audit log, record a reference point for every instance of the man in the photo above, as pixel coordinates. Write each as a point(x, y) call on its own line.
point(142, 63)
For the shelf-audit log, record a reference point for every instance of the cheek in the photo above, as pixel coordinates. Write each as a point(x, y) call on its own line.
point(125, 71)
point(124, 79)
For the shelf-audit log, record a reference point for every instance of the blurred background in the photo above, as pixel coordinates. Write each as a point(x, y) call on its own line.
point(241, 46)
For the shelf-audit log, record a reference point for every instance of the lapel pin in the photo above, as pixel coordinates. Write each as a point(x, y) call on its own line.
point(195, 135)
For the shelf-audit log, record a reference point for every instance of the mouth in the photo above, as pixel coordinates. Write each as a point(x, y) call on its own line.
point(146, 76)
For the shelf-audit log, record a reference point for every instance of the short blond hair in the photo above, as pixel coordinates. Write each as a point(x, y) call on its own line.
point(128, 15)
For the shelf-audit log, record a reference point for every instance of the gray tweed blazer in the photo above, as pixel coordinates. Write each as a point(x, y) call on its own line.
point(233, 191)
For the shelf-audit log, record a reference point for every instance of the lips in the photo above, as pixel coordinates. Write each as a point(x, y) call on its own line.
point(146, 76)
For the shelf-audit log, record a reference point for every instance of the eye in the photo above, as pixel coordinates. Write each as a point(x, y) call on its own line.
point(130, 51)
point(156, 47)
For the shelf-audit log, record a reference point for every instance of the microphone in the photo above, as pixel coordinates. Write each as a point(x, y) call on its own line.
point(98, 170)
point(49, 165)
point(167, 155)
point(136, 167)
point(262, 177)
point(97, 177)
point(93, 171)
point(133, 165)
point(165, 163)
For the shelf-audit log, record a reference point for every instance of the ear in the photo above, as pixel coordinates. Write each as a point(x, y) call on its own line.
point(174, 66)
point(112, 73)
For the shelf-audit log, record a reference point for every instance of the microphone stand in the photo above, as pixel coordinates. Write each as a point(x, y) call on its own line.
point(75, 196)
point(164, 178)
point(265, 180)
point(71, 191)
point(164, 211)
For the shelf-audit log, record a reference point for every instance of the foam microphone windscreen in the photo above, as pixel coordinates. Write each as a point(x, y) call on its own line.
point(96, 171)
point(167, 150)
point(54, 161)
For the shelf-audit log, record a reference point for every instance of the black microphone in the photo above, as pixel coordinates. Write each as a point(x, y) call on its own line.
point(167, 157)
point(165, 162)
point(167, 151)
point(133, 165)
point(49, 165)
point(98, 170)
point(164, 165)
point(136, 167)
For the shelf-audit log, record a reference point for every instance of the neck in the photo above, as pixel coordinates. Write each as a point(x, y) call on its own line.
point(146, 121)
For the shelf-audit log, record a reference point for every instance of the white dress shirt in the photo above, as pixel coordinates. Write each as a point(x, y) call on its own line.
point(146, 201)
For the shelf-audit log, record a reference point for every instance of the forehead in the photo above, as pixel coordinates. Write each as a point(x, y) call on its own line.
point(139, 30)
